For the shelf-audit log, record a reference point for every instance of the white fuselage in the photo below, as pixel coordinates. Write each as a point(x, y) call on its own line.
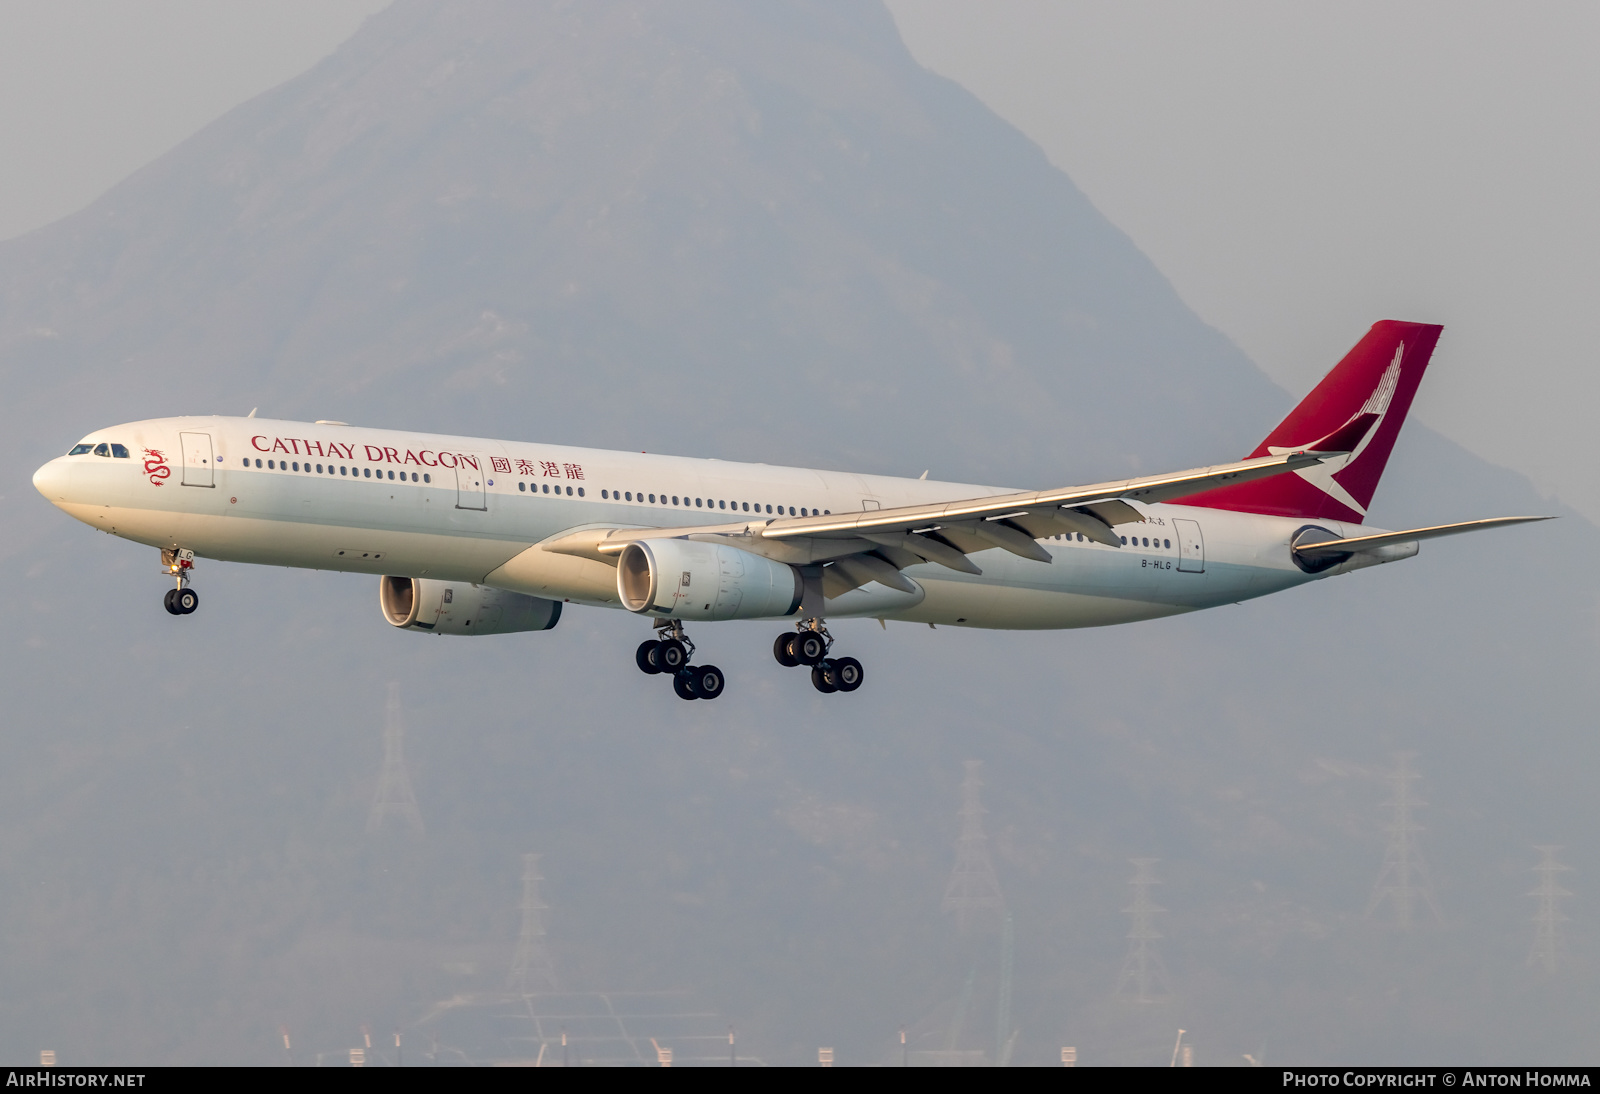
point(372, 501)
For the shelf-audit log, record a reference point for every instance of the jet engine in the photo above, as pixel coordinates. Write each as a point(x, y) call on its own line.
point(688, 579)
point(460, 607)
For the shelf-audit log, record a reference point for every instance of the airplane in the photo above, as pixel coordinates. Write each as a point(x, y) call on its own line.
point(471, 536)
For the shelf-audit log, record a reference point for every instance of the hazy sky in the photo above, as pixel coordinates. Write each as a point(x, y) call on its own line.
point(1297, 170)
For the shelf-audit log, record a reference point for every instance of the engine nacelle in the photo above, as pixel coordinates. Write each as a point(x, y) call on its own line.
point(460, 607)
point(688, 579)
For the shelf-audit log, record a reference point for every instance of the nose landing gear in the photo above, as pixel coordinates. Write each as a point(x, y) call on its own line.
point(181, 600)
point(670, 655)
point(809, 645)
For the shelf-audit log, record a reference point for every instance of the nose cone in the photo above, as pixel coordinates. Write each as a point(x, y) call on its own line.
point(51, 480)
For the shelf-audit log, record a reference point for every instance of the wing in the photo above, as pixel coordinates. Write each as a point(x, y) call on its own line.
point(876, 545)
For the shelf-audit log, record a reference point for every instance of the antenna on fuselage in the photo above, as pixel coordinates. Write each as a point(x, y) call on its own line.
point(252, 413)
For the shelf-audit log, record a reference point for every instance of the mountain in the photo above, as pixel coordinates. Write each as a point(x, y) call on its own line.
point(756, 232)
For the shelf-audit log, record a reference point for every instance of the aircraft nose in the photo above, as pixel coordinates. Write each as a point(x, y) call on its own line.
point(51, 480)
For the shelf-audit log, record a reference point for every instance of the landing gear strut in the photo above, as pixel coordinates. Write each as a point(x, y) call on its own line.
point(809, 645)
point(670, 655)
point(181, 600)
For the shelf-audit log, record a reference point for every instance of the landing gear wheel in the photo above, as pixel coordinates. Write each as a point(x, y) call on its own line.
point(172, 609)
point(707, 681)
point(683, 684)
point(645, 657)
point(823, 678)
point(847, 673)
point(809, 647)
point(671, 656)
point(783, 650)
point(186, 601)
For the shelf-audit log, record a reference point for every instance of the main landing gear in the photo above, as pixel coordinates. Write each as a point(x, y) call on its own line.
point(181, 600)
point(809, 645)
point(670, 655)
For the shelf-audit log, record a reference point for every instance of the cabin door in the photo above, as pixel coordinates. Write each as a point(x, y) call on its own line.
point(470, 490)
point(197, 461)
point(1191, 546)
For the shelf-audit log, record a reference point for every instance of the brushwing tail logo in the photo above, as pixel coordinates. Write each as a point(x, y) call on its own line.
point(1322, 475)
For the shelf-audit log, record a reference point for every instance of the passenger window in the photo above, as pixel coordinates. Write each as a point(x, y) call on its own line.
point(580, 491)
point(80, 449)
point(722, 504)
point(343, 471)
point(674, 499)
point(366, 472)
point(297, 465)
point(1124, 540)
point(522, 486)
point(391, 476)
point(746, 506)
point(1166, 543)
point(569, 491)
point(426, 477)
point(652, 499)
point(121, 452)
point(697, 503)
point(628, 494)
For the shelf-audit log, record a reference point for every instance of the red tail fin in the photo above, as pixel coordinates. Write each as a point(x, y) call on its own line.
point(1378, 377)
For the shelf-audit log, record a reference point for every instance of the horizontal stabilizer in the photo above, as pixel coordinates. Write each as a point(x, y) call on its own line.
point(1356, 544)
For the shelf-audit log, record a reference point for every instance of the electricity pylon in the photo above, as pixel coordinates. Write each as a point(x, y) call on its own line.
point(1546, 929)
point(973, 889)
point(1144, 975)
point(531, 969)
point(1403, 882)
point(394, 798)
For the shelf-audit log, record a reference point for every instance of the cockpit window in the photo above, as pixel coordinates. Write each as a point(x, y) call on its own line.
point(80, 449)
point(120, 451)
point(102, 449)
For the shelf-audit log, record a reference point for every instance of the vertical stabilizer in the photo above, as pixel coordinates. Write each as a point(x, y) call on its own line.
point(1378, 377)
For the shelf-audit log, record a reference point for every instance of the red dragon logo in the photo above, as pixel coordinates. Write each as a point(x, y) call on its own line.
point(155, 465)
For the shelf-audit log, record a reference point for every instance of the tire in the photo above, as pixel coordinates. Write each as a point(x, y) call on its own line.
point(783, 650)
point(186, 601)
point(810, 647)
point(671, 656)
point(707, 681)
point(645, 657)
point(821, 678)
point(847, 673)
point(167, 601)
point(683, 684)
